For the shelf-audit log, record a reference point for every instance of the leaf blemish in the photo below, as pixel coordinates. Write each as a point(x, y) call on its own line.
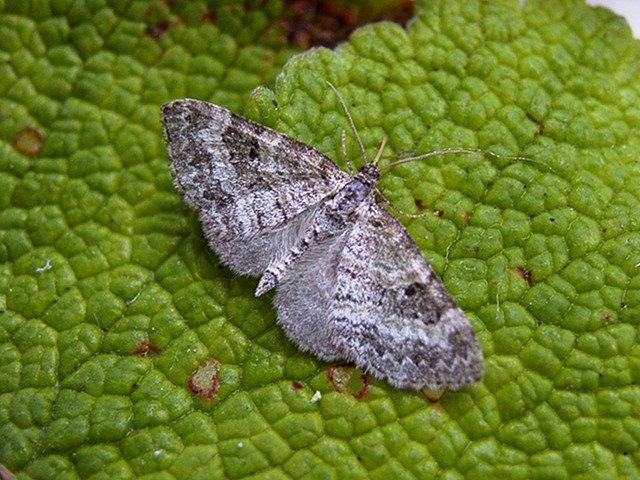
point(158, 29)
point(525, 274)
point(209, 16)
point(327, 23)
point(205, 381)
point(349, 380)
point(146, 348)
point(28, 141)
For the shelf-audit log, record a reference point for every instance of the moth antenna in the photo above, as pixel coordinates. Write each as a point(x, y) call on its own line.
point(451, 151)
point(383, 143)
point(343, 149)
point(435, 153)
point(350, 121)
point(407, 214)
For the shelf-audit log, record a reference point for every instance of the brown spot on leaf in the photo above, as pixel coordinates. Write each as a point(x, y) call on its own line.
point(205, 381)
point(439, 213)
point(524, 274)
point(349, 380)
point(146, 348)
point(209, 16)
point(296, 385)
point(158, 29)
point(28, 141)
point(419, 204)
point(328, 22)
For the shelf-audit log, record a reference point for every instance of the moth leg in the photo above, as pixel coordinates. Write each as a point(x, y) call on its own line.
point(381, 199)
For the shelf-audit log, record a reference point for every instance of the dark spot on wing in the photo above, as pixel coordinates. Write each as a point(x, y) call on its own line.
point(342, 270)
point(375, 222)
point(345, 297)
point(243, 148)
point(253, 148)
point(412, 289)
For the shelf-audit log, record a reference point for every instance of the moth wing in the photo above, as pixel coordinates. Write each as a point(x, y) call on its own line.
point(392, 316)
point(252, 187)
point(304, 296)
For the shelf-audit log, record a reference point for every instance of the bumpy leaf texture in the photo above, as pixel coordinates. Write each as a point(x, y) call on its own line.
point(127, 351)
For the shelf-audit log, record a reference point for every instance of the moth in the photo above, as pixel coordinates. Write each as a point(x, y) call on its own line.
point(350, 284)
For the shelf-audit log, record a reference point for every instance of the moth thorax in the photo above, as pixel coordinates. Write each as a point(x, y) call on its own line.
point(349, 198)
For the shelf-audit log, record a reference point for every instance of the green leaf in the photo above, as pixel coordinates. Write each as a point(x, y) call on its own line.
point(127, 351)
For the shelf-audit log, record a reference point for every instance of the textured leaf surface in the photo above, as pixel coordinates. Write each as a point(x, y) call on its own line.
point(126, 351)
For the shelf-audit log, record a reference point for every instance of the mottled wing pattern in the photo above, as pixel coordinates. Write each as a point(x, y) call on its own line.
point(251, 186)
point(392, 316)
point(304, 297)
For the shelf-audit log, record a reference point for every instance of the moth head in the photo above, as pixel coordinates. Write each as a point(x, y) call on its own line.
point(369, 174)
